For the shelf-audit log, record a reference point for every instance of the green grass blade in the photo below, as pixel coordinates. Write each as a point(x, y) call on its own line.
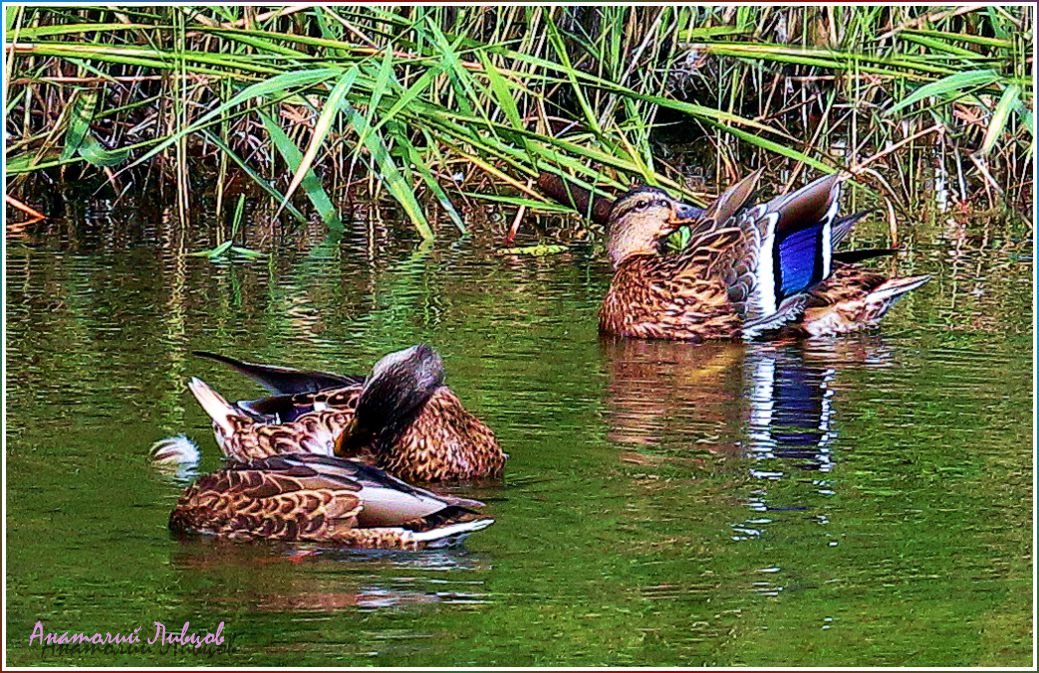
point(311, 185)
point(999, 119)
point(81, 114)
point(321, 129)
point(279, 84)
point(952, 84)
point(388, 172)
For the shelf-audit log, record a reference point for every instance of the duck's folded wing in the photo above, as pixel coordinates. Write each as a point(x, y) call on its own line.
point(285, 380)
point(276, 498)
point(767, 255)
point(388, 501)
point(730, 202)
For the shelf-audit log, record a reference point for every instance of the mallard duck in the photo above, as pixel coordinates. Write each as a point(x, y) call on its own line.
point(768, 270)
point(402, 418)
point(311, 498)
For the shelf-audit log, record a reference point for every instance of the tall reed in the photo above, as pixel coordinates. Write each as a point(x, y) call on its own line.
point(440, 105)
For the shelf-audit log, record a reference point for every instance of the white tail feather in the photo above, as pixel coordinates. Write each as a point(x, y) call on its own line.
point(447, 536)
point(216, 406)
point(174, 451)
point(895, 288)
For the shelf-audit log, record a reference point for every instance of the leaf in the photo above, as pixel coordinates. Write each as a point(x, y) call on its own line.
point(960, 82)
point(539, 250)
point(408, 96)
point(388, 172)
point(426, 173)
point(91, 149)
point(384, 80)
point(81, 114)
point(571, 73)
point(296, 80)
point(456, 73)
point(502, 92)
point(311, 185)
point(213, 252)
point(321, 129)
point(11, 14)
point(236, 221)
point(246, 252)
point(999, 119)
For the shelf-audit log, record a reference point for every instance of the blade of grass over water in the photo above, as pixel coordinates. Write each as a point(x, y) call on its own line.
point(311, 184)
point(321, 130)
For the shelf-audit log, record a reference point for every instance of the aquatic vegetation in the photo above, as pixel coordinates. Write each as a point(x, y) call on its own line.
point(437, 106)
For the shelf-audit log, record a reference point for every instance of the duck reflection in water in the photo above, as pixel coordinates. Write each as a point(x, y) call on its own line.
point(761, 401)
point(274, 577)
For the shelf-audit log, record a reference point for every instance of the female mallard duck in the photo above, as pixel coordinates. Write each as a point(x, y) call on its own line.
point(402, 419)
point(745, 272)
point(311, 498)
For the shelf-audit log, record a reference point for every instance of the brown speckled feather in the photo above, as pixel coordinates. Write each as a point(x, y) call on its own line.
point(745, 272)
point(305, 497)
point(852, 299)
point(443, 443)
point(671, 296)
point(272, 498)
point(438, 441)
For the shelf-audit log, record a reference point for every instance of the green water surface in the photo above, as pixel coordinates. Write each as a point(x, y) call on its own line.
point(857, 501)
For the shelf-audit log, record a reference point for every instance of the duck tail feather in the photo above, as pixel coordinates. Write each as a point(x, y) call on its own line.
point(732, 200)
point(283, 380)
point(219, 409)
point(176, 450)
point(448, 536)
point(894, 289)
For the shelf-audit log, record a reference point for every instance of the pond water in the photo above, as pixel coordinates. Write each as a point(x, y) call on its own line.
point(854, 501)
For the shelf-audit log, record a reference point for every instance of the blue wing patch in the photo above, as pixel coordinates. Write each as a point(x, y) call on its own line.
point(799, 260)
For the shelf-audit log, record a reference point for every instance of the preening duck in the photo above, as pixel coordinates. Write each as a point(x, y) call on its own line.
point(746, 272)
point(312, 498)
point(401, 418)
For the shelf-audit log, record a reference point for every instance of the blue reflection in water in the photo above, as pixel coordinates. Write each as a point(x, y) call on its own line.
point(790, 409)
point(771, 405)
point(790, 424)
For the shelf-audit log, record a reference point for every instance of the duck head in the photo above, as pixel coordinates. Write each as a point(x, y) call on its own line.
point(397, 388)
point(641, 219)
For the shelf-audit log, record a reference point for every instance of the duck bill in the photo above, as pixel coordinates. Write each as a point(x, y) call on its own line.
point(684, 213)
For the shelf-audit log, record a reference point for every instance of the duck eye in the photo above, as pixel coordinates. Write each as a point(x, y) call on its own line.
point(641, 204)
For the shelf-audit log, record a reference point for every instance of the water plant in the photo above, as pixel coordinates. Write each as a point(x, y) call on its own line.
point(437, 106)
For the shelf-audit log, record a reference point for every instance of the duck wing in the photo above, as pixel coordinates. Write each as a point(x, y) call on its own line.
point(274, 498)
point(307, 497)
point(768, 255)
point(284, 380)
point(852, 299)
point(275, 409)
